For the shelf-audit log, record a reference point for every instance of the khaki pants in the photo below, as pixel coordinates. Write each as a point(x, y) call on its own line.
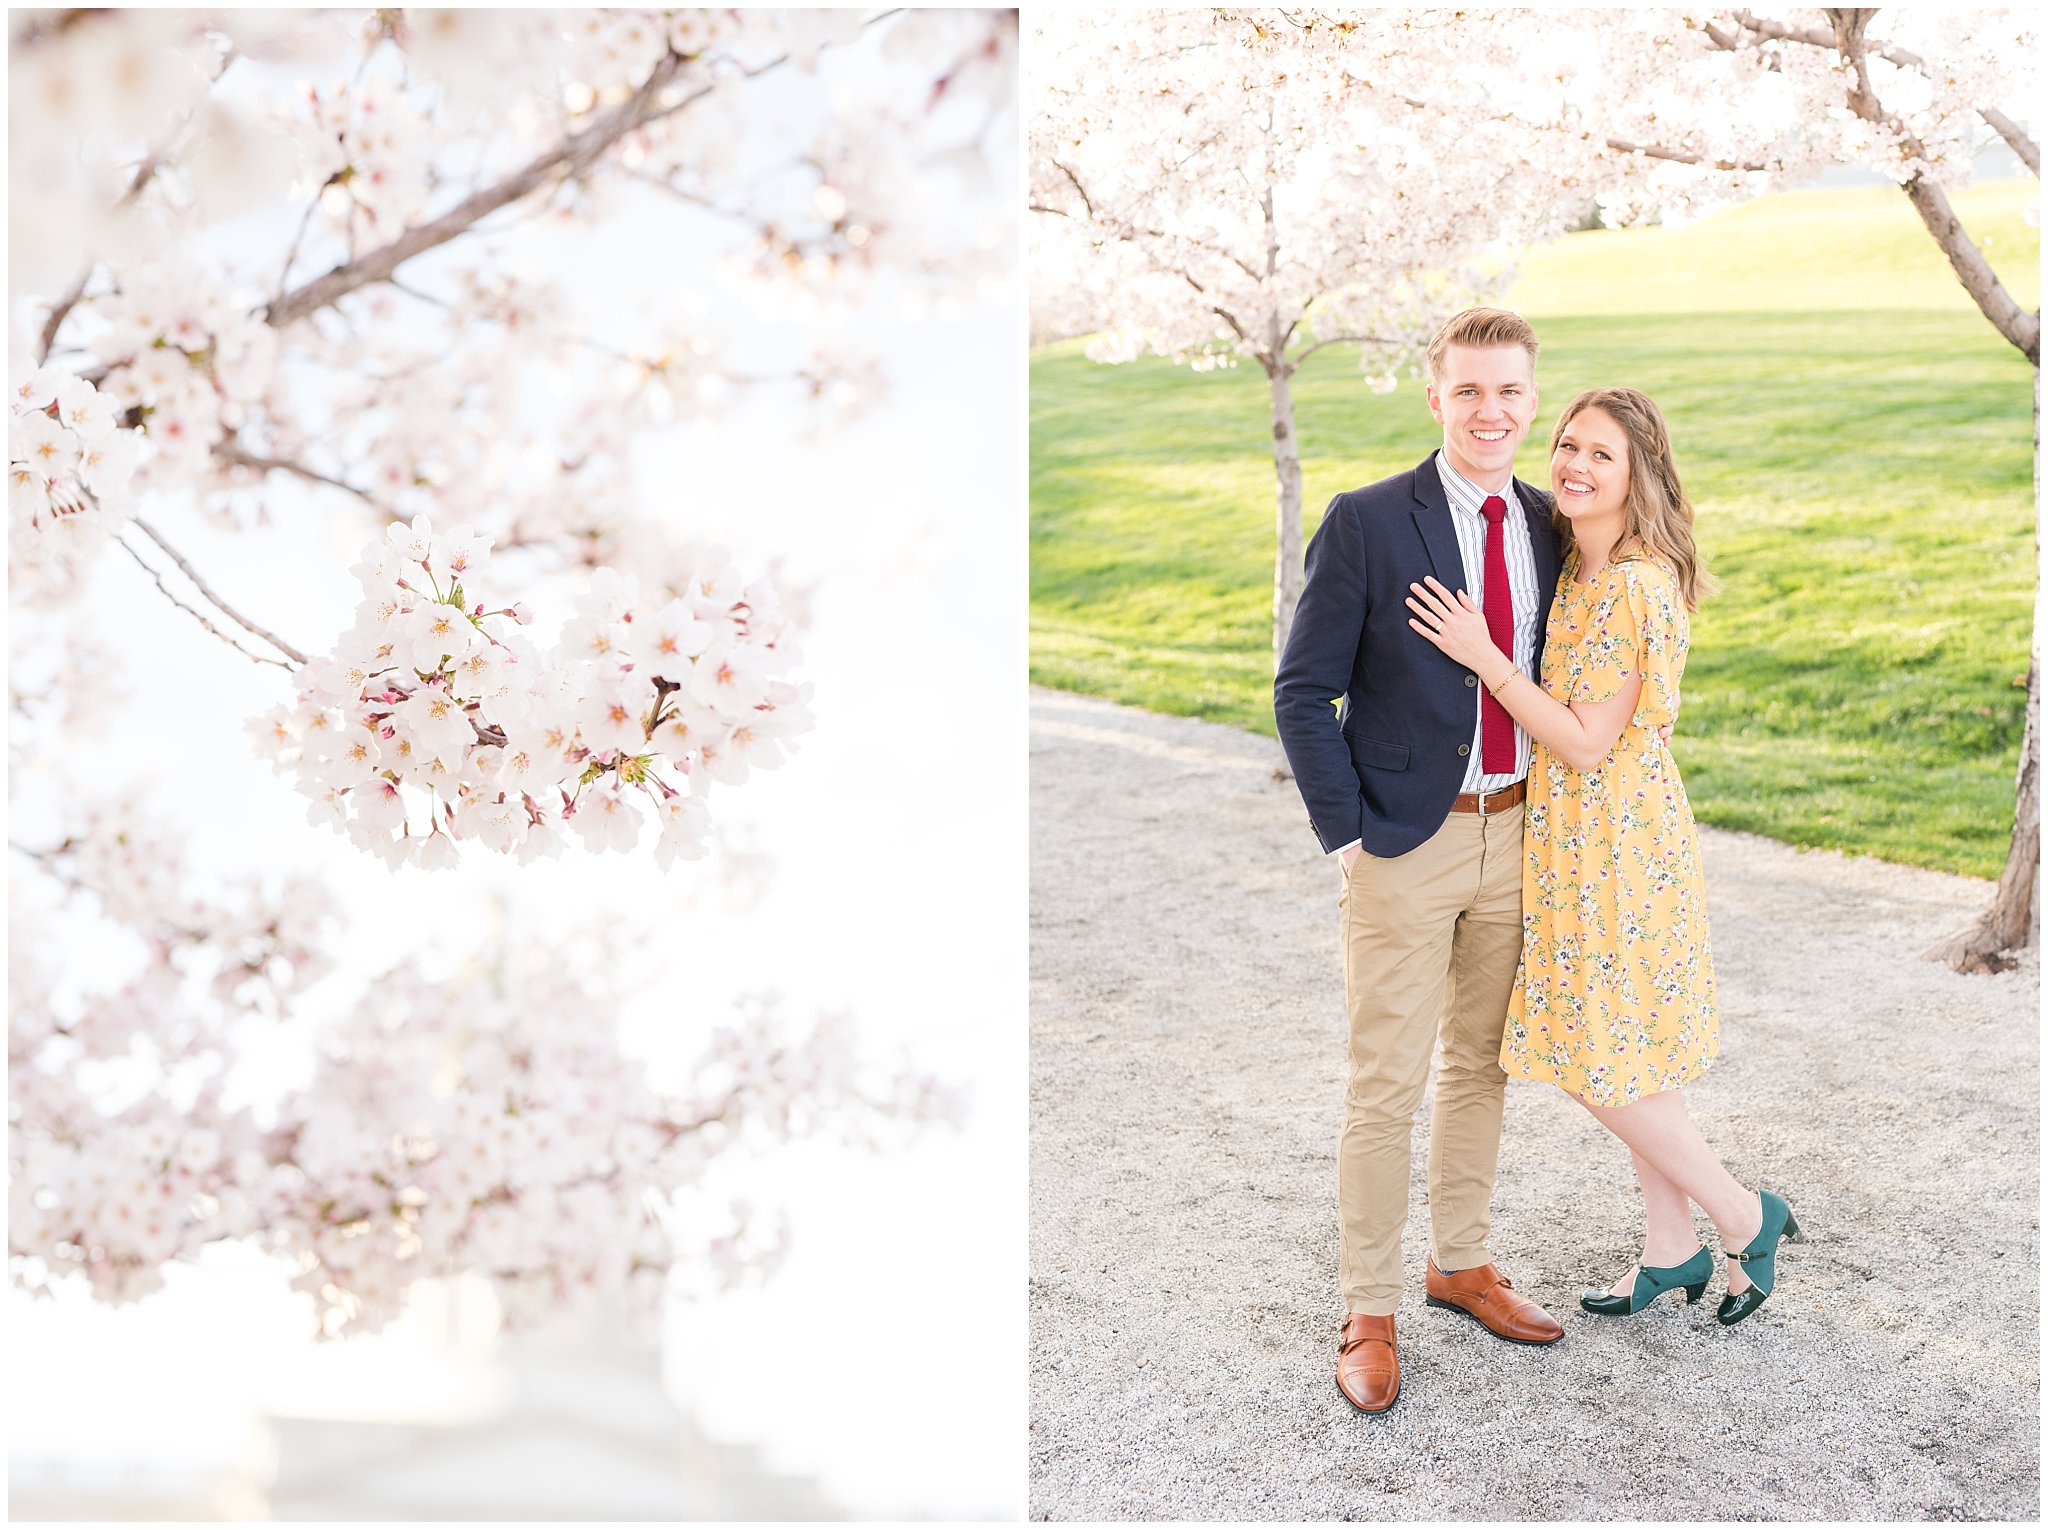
point(1431, 942)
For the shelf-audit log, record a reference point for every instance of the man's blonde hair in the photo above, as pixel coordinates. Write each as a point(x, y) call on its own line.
point(1479, 327)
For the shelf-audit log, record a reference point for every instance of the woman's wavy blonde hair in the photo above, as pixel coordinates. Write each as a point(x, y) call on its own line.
point(1659, 514)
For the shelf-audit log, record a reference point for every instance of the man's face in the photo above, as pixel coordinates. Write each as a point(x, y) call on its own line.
point(1484, 398)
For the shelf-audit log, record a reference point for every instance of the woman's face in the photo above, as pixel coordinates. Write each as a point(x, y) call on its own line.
point(1589, 467)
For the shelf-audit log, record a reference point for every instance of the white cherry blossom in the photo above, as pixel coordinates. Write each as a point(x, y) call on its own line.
point(216, 330)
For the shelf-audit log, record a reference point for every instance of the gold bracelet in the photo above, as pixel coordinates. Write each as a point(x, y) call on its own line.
point(1512, 675)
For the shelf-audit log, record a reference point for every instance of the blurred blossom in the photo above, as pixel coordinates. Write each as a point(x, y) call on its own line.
point(300, 264)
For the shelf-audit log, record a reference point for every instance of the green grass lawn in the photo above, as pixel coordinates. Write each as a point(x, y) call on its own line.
point(1856, 438)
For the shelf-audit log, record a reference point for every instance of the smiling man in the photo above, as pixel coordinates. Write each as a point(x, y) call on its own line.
point(1416, 784)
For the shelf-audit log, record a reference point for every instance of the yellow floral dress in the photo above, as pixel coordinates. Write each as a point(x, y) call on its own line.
point(1615, 996)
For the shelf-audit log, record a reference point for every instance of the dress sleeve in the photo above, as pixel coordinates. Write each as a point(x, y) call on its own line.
point(1638, 627)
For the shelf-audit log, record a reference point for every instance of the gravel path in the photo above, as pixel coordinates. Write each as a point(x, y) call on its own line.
point(1187, 1078)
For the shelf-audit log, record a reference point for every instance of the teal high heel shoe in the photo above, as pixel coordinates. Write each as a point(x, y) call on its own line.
point(1652, 1281)
point(1759, 1261)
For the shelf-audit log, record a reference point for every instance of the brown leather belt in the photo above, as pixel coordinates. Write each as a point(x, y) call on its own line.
point(1491, 802)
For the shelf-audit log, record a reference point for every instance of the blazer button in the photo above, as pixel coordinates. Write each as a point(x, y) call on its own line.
point(1464, 749)
point(1471, 680)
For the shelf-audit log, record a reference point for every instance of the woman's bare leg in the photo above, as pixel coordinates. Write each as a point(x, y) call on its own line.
point(1657, 1130)
point(1668, 1235)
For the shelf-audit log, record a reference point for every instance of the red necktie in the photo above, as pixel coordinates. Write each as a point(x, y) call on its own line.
point(1496, 728)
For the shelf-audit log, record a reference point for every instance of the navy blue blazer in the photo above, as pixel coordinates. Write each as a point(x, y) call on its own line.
point(1385, 769)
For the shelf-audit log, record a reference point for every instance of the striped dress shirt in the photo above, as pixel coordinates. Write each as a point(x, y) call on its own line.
point(1466, 498)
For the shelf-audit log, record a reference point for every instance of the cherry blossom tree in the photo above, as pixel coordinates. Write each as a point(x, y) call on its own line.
point(1155, 143)
point(1215, 186)
point(289, 267)
point(1914, 102)
point(1660, 109)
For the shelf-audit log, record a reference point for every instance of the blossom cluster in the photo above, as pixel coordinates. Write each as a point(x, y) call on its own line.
point(70, 463)
point(1206, 199)
point(377, 171)
point(108, 1180)
point(436, 720)
point(445, 1129)
point(184, 354)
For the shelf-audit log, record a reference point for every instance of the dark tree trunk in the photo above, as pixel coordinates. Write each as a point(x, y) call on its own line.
point(2009, 923)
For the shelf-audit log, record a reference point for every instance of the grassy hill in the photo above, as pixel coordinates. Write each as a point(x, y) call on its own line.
point(1856, 438)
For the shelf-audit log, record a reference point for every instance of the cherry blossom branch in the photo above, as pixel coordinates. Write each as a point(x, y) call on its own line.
point(763, 227)
point(291, 255)
point(1079, 190)
point(698, 200)
point(693, 97)
point(1815, 37)
point(2021, 328)
point(45, 857)
point(1681, 156)
point(51, 862)
point(1622, 145)
point(2014, 135)
point(152, 162)
point(59, 311)
point(1812, 37)
point(569, 158)
point(565, 161)
point(1129, 233)
point(1227, 317)
point(197, 616)
point(1309, 351)
point(207, 590)
point(231, 451)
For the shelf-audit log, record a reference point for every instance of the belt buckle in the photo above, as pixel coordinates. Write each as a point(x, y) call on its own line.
point(1500, 791)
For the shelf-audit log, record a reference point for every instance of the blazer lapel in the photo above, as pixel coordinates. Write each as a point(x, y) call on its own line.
point(1433, 520)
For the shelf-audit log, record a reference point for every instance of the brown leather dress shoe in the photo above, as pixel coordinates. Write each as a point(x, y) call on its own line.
point(1368, 1370)
point(1484, 1293)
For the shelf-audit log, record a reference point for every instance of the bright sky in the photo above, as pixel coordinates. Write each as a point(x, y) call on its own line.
point(888, 1356)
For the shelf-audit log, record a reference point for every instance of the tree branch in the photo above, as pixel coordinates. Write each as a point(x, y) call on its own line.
point(231, 451)
point(569, 158)
point(2015, 136)
point(2021, 328)
point(1127, 231)
point(565, 161)
point(152, 162)
point(207, 590)
point(757, 71)
point(197, 616)
point(698, 200)
point(1344, 340)
point(47, 340)
point(1236, 328)
point(1079, 190)
point(1814, 37)
point(1622, 145)
point(1679, 156)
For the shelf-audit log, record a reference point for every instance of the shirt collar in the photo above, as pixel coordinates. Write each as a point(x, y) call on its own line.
point(1465, 495)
